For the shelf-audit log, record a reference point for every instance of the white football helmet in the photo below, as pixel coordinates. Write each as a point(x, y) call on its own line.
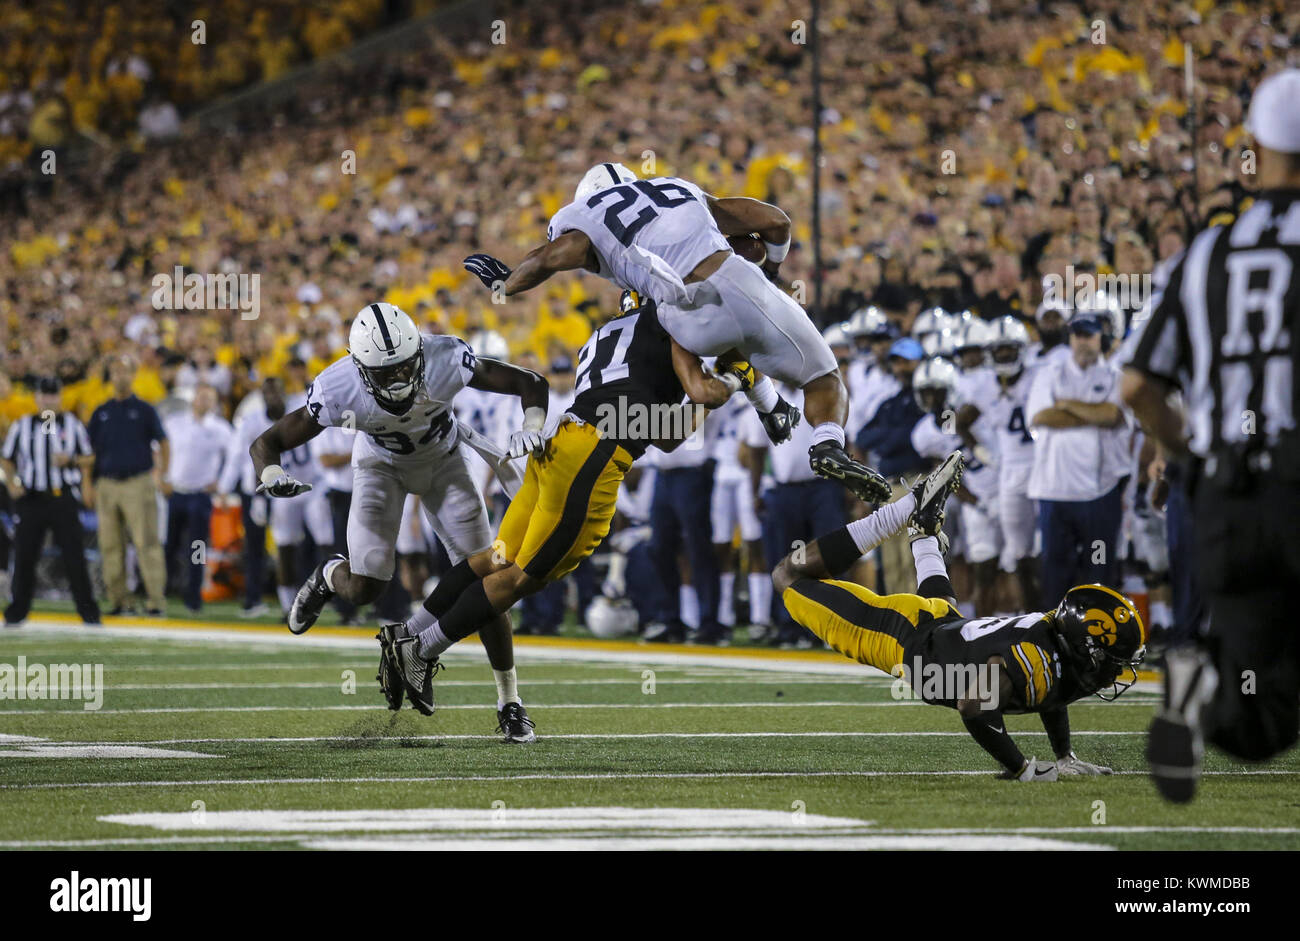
point(931, 320)
point(602, 176)
point(941, 342)
point(489, 344)
point(935, 373)
point(974, 335)
point(611, 617)
point(868, 322)
point(1007, 333)
point(385, 344)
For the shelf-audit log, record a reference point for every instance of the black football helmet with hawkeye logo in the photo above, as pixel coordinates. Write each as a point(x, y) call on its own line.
point(1103, 636)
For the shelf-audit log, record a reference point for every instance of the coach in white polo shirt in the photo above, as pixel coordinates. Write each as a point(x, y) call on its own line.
point(200, 439)
point(1081, 460)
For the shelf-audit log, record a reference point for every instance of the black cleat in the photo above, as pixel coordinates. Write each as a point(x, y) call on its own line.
point(1174, 740)
point(311, 599)
point(390, 679)
point(514, 724)
point(780, 422)
point(416, 673)
point(932, 493)
point(831, 461)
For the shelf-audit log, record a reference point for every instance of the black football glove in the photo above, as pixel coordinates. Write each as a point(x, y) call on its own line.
point(487, 269)
point(780, 422)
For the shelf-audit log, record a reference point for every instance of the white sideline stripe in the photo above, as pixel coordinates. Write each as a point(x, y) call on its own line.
point(633, 680)
point(612, 776)
point(68, 750)
point(518, 819)
point(398, 737)
point(820, 704)
point(648, 657)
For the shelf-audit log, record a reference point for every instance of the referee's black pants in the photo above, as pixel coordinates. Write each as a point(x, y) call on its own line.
point(1248, 560)
point(39, 513)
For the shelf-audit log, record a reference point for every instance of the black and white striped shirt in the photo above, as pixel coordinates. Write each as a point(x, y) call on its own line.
point(34, 443)
point(1224, 326)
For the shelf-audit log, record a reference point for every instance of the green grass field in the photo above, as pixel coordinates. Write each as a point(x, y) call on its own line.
point(249, 738)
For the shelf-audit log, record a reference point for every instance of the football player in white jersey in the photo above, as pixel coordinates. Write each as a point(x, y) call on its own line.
point(997, 403)
point(396, 390)
point(732, 507)
point(870, 379)
point(666, 239)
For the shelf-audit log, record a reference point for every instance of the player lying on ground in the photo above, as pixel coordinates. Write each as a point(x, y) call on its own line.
point(396, 388)
point(984, 668)
point(667, 239)
point(631, 382)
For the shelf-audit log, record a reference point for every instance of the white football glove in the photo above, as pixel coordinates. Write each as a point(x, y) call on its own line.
point(276, 483)
point(1072, 764)
point(1034, 770)
point(528, 439)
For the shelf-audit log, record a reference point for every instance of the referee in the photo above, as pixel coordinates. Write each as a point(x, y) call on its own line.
point(1224, 328)
point(45, 457)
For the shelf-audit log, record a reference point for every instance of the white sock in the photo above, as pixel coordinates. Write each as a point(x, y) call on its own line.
point(760, 598)
point(433, 641)
point(689, 602)
point(829, 431)
point(763, 396)
point(507, 687)
point(330, 568)
point(726, 608)
point(286, 595)
point(929, 560)
point(872, 530)
point(419, 621)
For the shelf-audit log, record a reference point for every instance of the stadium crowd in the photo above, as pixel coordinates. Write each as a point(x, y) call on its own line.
point(1031, 141)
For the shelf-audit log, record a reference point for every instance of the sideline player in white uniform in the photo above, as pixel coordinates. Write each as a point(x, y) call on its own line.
point(997, 403)
point(666, 239)
point(396, 389)
point(732, 507)
point(870, 379)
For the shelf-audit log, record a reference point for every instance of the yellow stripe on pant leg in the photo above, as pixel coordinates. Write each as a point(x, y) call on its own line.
point(876, 648)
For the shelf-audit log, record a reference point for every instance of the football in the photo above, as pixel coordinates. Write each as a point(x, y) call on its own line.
point(749, 247)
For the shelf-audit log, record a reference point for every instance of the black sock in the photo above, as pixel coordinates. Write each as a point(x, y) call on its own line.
point(839, 550)
point(470, 612)
point(450, 587)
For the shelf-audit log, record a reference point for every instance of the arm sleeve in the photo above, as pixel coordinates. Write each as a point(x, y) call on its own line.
point(1157, 345)
point(323, 411)
point(1040, 394)
point(80, 438)
point(236, 452)
point(1032, 673)
point(159, 432)
point(11, 441)
point(1056, 722)
point(989, 729)
point(928, 439)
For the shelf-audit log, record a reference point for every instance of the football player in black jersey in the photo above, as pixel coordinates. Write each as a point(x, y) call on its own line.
point(636, 387)
point(984, 668)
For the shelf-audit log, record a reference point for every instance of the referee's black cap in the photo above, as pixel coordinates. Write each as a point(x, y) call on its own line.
point(49, 385)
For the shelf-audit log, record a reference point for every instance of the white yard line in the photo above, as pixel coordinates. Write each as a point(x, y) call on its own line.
point(579, 736)
point(577, 776)
point(633, 680)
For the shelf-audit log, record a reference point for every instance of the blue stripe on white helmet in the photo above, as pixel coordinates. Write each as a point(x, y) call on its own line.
point(602, 176)
point(385, 345)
